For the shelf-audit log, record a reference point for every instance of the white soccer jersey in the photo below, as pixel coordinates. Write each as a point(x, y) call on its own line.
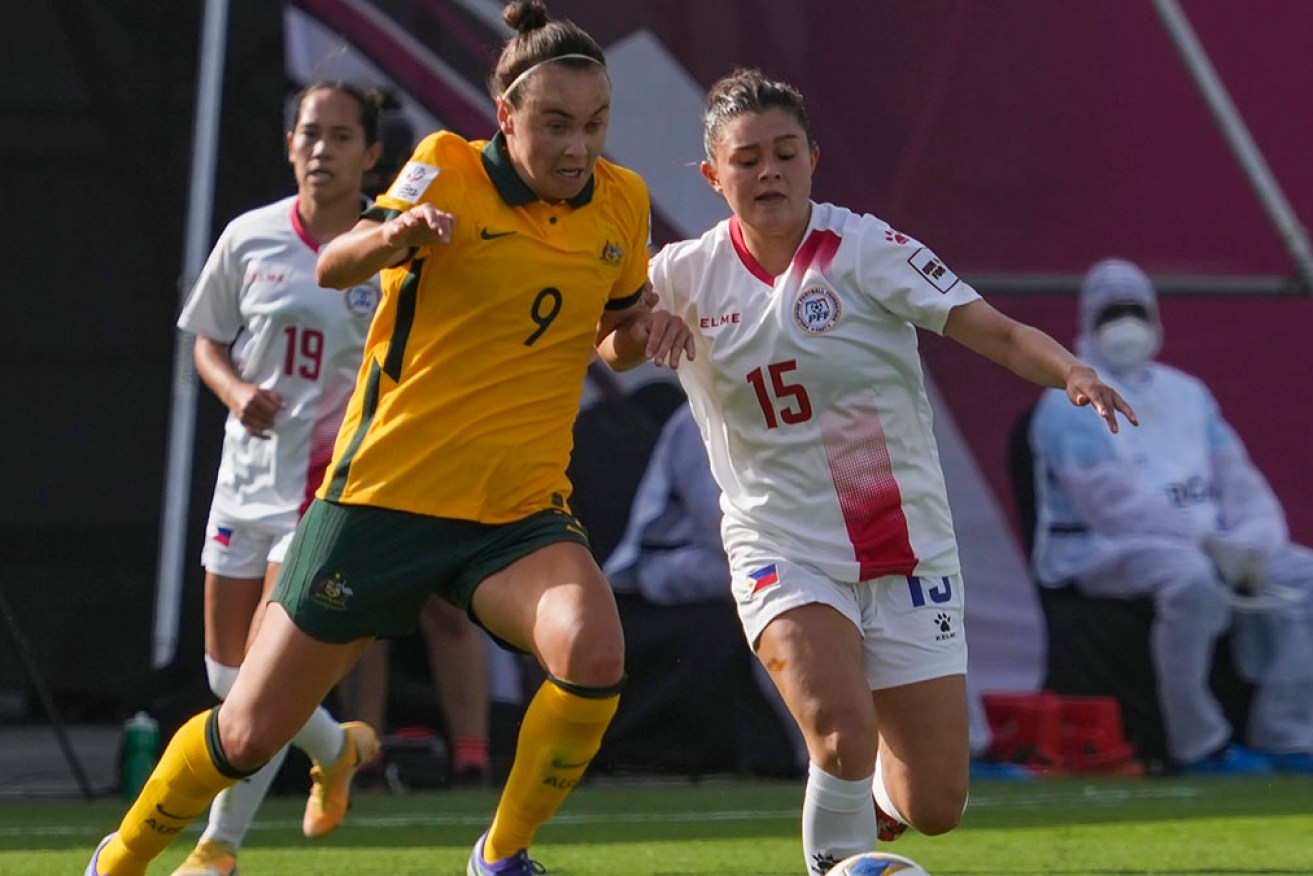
point(288, 334)
point(809, 393)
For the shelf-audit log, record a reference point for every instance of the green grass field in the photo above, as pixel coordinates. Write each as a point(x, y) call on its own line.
point(1086, 827)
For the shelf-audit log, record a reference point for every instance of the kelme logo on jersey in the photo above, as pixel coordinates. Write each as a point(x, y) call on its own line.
point(331, 591)
point(266, 275)
point(413, 181)
point(362, 300)
point(817, 310)
point(612, 254)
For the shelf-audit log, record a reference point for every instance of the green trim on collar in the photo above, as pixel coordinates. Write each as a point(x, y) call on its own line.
point(513, 190)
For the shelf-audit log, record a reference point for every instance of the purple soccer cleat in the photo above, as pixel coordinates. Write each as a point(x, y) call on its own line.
point(518, 864)
point(93, 868)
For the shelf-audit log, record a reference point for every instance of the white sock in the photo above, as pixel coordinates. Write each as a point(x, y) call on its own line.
point(838, 820)
point(234, 808)
point(881, 794)
point(322, 738)
point(221, 677)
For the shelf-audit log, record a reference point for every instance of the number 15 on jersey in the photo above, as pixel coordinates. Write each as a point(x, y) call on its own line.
point(781, 400)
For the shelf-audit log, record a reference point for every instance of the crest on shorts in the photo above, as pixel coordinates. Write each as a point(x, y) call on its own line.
point(331, 591)
point(817, 310)
point(362, 300)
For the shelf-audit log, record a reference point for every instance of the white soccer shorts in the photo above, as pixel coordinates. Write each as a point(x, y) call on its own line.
point(913, 629)
point(234, 551)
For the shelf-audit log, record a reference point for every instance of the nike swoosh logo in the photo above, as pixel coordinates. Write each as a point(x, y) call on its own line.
point(491, 235)
point(167, 814)
point(562, 765)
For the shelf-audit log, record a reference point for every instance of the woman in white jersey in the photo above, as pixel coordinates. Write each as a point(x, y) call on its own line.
point(282, 355)
point(808, 390)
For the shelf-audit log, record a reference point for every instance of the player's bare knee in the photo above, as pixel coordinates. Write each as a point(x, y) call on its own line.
point(598, 670)
point(842, 740)
point(592, 662)
point(938, 822)
point(936, 812)
point(246, 745)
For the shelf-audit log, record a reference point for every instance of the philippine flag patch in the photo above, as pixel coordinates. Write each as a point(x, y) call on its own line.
point(223, 535)
point(763, 578)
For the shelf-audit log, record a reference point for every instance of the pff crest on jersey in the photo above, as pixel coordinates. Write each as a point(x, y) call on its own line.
point(362, 300)
point(817, 310)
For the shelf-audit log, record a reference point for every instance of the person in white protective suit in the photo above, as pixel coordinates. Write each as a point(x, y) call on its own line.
point(1175, 511)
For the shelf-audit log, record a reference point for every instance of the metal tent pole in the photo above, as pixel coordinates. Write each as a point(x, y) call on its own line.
point(1238, 137)
point(182, 408)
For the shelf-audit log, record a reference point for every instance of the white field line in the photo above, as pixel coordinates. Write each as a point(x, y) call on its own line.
point(1084, 796)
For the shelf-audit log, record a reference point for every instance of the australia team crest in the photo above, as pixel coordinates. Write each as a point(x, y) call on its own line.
point(817, 310)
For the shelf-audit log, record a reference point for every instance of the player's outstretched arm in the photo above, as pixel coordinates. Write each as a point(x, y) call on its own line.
point(354, 257)
point(1084, 387)
point(627, 338)
point(1032, 354)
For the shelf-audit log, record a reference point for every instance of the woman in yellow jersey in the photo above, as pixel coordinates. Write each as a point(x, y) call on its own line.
point(506, 265)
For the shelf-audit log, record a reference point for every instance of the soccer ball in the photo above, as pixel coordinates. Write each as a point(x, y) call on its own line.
point(877, 864)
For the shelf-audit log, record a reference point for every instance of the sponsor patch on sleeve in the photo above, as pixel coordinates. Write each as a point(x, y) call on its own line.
point(413, 181)
point(935, 272)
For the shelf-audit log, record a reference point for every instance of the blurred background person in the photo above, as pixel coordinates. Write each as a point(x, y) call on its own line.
point(1175, 511)
point(282, 355)
point(457, 656)
point(671, 554)
point(671, 550)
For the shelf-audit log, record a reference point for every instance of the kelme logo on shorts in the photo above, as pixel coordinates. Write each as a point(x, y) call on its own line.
point(331, 591)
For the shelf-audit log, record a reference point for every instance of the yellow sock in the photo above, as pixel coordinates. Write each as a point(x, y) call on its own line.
point(562, 730)
point(178, 791)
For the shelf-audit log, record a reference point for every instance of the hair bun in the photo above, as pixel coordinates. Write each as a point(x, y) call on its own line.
point(526, 15)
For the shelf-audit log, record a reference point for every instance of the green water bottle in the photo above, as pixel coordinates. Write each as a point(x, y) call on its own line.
point(138, 749)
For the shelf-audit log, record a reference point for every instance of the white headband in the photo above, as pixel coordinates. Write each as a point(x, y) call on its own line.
point(525, 75)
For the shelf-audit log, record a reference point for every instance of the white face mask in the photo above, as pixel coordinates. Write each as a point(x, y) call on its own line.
point(1127, 342)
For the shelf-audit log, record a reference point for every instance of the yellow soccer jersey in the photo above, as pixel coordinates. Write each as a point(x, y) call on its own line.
point(475, 360)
